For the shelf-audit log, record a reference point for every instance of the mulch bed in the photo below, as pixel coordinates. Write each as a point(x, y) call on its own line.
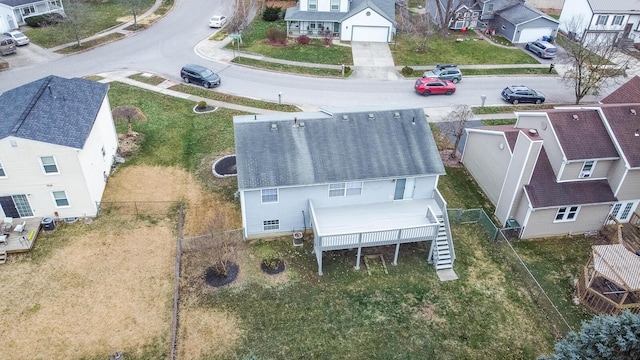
point(273, 271)
point(204, 110)
point(212, 278)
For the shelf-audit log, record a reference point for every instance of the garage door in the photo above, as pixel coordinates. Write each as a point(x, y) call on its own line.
point(533, 34)
point(370, 33)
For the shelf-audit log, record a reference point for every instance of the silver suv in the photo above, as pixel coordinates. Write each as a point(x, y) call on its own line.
point(543, 49)
point(445, 72)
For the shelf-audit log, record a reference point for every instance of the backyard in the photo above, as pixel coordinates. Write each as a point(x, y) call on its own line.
point(108, 286)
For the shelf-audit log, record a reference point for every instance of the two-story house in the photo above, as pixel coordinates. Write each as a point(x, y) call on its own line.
point(57, 144)
point(560, 171)
point(347, 20)
point(14, 12)
point(601, 20)
point(355, 178)
point(512, 19)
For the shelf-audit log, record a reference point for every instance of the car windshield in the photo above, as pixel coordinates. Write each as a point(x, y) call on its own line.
point(206, 73)
point(215, 18)
point(437, 71)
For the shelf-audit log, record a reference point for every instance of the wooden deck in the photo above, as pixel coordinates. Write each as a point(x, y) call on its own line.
point(21, 242)
point(627, 234)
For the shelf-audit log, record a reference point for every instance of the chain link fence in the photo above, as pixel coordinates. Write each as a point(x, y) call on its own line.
point(139, 208)
point(501, 243)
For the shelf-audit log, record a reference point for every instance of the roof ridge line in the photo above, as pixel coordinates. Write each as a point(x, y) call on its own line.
point(31, 104)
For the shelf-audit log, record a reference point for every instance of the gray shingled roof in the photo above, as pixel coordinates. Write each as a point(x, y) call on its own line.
point(520, 13)
point(53, 110)
point(385, 8)
point(330, 149)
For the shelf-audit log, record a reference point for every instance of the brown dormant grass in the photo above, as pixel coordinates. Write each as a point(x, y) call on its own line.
point(108, 286)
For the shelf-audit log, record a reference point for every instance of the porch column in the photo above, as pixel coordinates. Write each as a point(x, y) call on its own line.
point(319, 259)
point(395, 257)
point(358, 258)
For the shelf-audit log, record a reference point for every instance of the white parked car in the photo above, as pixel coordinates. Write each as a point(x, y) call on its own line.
point(18, 37)
point(217, 21)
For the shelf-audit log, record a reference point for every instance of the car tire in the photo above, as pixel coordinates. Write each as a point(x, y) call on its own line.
point(448, 92)
point(538, 101)
point(206, 85)
point(426, 93)
point(540, 54)
point(515, 101)
point(526, 46)
point(186, 79)
point(455, 80)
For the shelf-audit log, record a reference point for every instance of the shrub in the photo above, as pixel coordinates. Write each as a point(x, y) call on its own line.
point(277, 36)
point(202, 104)
point(303, 40)
point(44, 20)
point(407, 71)
point(271, 13)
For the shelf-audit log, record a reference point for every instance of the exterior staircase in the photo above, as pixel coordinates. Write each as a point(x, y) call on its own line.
point(443, 252)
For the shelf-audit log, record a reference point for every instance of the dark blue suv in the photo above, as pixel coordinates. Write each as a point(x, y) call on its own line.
point(199, 75)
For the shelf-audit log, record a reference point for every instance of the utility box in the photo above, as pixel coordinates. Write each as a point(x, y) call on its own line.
point(48, 224)
point(512, 223)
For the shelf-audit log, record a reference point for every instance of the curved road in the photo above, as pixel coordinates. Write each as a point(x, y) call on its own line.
point(164, 47)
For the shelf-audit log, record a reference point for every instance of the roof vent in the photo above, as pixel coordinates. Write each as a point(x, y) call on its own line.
point(637, 132)
point(633, 111)
point(345, 117)
point(274, 127)
point(533, 131)
point(575, 117)
point(371, 116)
point(396, 115)
point(301, 123)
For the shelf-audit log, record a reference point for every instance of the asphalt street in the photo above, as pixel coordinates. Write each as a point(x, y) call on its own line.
point(168, 44)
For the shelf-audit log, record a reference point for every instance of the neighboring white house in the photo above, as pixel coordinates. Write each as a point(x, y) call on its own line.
point(357, 178)
point(512, 19)
point(57, 144)
point(560, 171)
point(612, 20)
point(14, 12)
point(356, 20)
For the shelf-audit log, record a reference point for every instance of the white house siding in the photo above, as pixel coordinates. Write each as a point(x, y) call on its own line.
point(520, 212)
point(292, 201)
point(95, 165)
point(571, 170)
point(575, 16)
point(361, 19)
point(487, 161)
point(616, 175)
point(26, 176)
point(540, 223)
point(324, 5)
point(542, 125)
point(630, 189)
point(8, 20)
point(525, 155)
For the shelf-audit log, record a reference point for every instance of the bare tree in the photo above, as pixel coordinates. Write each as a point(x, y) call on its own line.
point(244, 10)
point(445, 10)
point(456, 122)
point(222, 246)
point(135, 6)
point(77, 16)
point(420, 27)
point(594, 59)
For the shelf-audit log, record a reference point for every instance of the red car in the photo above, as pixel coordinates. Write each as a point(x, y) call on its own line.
point(428, 85)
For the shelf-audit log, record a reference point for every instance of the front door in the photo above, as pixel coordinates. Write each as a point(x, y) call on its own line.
point(627, 30)
point(404, 189)
point(623, 210)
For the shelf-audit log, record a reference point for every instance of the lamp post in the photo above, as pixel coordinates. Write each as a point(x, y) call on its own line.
point(280, 98)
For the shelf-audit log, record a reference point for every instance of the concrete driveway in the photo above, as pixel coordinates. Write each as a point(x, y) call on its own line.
point(373, 60)
point(28, 55)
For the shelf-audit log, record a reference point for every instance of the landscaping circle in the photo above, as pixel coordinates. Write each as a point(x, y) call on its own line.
point(225, 167)
point(212, 277)
point(272, 266)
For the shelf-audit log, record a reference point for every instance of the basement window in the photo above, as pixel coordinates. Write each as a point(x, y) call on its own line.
point(271, 225)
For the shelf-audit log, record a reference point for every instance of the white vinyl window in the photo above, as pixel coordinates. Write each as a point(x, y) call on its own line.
point(617, 20)
point(49, 164)
point(269, 195)
point(567, 213)
point(587, 169)
point(271, 225)
point(313, 4)
point(2, 172)
point(335, 5)
point(602, 20)
point(345, 189)
point(60, 197)
point(489, 8)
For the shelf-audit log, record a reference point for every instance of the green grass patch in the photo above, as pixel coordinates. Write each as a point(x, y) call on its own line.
point(100, 16)
point(254, 41)
point(86, 45)
point(238, 100)
point(153, 79)
point(496, 122)
point(461, 191)
point(174, 134)
point(350, 314)
point(446, 50)
point(295, 69)
point(509, 108)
